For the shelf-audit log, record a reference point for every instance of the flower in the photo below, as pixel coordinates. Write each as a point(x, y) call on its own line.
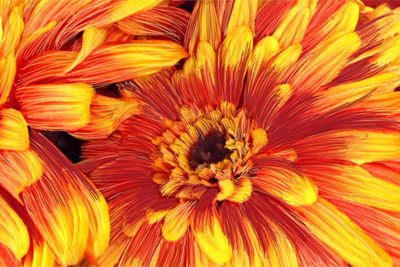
point(53, 57)
point(277, 144)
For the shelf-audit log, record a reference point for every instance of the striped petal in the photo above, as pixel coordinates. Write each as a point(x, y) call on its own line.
point(70, 214)
point(19, 169)
point(177, 221)
point(39, 256)
point(13, 130)
point(286, 183)
point(342, 235)
point(243, 13)
point(7, 73)
point(14, 234)
point(56, 106)
point(106, 114)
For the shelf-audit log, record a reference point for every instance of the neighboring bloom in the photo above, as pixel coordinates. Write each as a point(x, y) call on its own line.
point(49, 212)
point(276, 145)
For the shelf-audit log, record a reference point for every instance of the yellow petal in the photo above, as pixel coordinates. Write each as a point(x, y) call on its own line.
point(19, 169)
point(349, 92)
point(177, 221)
point(92, 39)
point(293, 26)
point(363, 146)
point(56, 106)
point(325, 61)
point(7, 74)
point(342, 235)
point(210, 238)
point(243, 13)
point(40, 256)
point(204, 26)
point(353, 183)
point(13, 130)
point(286, 184)
point(115, 63)
point(281, 251)
point(12, 32)
point(266, 48)
point(128, 7)
point(286, 58)
point(107, 113)
point(13, 232)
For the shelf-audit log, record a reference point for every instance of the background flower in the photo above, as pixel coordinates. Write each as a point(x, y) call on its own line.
point(276, 144)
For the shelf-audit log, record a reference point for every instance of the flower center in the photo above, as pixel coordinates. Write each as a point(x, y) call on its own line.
point(207, 148)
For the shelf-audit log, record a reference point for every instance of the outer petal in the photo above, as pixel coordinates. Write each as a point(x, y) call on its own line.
point(207, 231)
point(286, 183)
point(342, 235)
point(14, 233)
point(106, 115)
point(56, 106)
point(127, 61)
point(40, 255)
point(352, 183)
point(13, 130)
point(69, 213)
point(19, 169)
point(7, 73)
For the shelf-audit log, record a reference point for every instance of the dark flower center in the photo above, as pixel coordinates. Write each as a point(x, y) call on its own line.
point(209, 149)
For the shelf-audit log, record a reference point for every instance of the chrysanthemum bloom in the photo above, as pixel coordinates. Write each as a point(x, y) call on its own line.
point(277, 144)
point(49, 212)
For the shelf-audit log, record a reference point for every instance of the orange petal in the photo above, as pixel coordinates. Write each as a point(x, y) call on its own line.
point(342, 235)
point(69, 212)
point(7, 73)
point(13, 130)
point(232, 62)
point(281, 251)
point(106, 115)
point(56, 106)
point(19, 169)
point(169, 22)
point(127, 61)
point(92, 39)
point(203, 26)
point(285, 183)
point(7, 258)
point(14, 233)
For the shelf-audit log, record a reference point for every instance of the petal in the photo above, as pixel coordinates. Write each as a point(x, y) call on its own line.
point(39, 256)
point(243, 13)
point(106, 114)
point(12, 32)
point(7, 74)
point(323, 63)
point(127, 7)
point(281, 251)
point(353, 183)
point(92, 39)
point(232, 62)
point(7, 258)
point(203, 26)
point(14, 234)
point(70, 214)
point(342, 235)
point(368, 146)
point(13, 130)
point(177, 221)
point(19, 169)
point(160, 21)
point(286, 183)
point(116, 63)
point(206, 227)
point(56, 106)
point(293, 26)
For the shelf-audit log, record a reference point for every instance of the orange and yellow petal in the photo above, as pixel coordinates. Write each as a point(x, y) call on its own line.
point(56, 106)
point(106, 114)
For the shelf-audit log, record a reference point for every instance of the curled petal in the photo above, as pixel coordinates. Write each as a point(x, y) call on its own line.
point(13, 130)
point(56, 106)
